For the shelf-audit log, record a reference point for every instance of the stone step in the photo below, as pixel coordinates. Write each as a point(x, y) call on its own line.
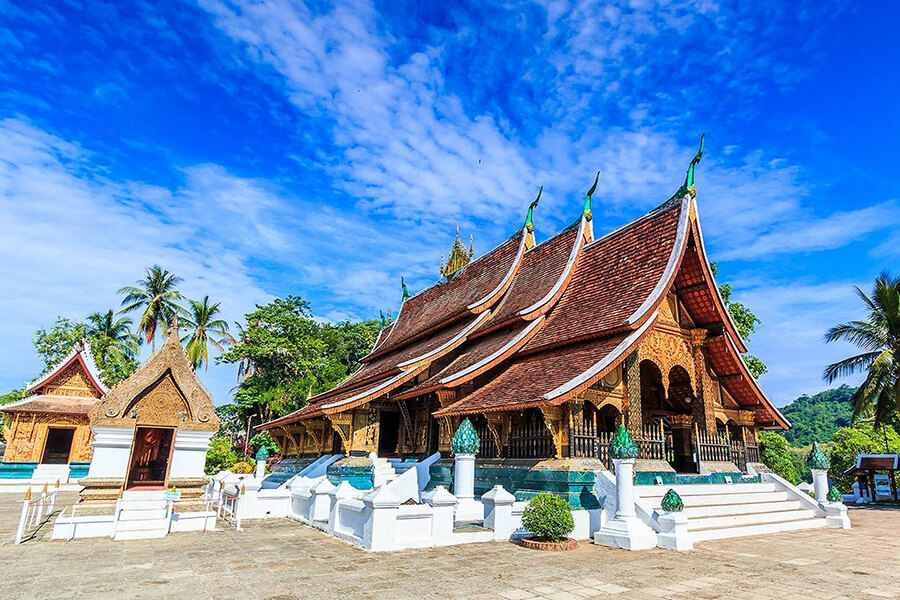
point(141, 504)
point(651, 491)
point(143, 495)
point(739, 520)
point(143, 514)
point(761, 529)
point(691, 501)
point(143, 525)
point(738, 509)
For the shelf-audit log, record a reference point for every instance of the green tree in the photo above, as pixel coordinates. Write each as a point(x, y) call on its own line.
point(114, 348)
point(156, 297)
point(201, 319)
point(850, 442)
point(775, 453)
point(284, 356)
point(263, 439)
point(114, 345)
point(878, 337)
point(816, 418)
point(745, 321)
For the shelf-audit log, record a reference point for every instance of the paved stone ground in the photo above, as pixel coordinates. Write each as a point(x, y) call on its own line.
point(283, 560)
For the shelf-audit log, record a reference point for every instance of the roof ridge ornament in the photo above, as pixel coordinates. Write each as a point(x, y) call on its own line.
point(688, 186)
point(587, 199)
point(405, 293)
point(459, 257)
point(529, 221)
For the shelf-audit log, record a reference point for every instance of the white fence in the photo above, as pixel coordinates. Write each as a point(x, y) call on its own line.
point(34, 510)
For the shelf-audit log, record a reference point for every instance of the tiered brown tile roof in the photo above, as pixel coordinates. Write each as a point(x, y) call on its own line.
point(68, 405)
point(474, 289)
point(591, 305)
point(614, 277)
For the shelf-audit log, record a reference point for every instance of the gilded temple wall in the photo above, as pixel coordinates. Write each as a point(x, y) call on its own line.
point(27, 434)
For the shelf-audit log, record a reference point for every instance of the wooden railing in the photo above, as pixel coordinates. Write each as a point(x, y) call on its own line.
point(652, 443)
point(529, 437)
point(488, 447)
point(715, 447)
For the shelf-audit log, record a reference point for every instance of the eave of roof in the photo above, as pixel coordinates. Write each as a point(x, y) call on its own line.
point(51, 404)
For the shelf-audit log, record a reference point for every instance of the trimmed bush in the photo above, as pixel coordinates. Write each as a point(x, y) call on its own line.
point(548, 518)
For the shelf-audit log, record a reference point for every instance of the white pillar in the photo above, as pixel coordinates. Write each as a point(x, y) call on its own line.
point(467, 508)
point(624, 487)
point(625, 530)
point(443, 506)
point(820, 484)
point(380, 529)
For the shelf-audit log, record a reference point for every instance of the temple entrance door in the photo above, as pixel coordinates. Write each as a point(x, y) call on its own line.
point(388, 433)
point(682, 450)
point(58, 446)
point(150, 457)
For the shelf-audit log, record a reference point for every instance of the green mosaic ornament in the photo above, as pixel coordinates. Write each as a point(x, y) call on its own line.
point(817, 458)
point(622, 446)
point(835, 495)
point(465, 440)
point(671, 502)
point(262, 454)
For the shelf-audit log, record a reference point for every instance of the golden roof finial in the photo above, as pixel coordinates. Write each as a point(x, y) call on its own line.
point(459, 256)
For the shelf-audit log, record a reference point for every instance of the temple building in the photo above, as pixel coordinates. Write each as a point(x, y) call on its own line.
point(48, 432)
point(546, 347)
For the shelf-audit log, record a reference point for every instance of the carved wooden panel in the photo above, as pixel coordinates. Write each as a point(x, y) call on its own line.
point(72, 381)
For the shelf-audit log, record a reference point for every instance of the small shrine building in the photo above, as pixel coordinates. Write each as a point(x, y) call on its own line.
point(152, 430)
point(48, 432)
point(546, 347)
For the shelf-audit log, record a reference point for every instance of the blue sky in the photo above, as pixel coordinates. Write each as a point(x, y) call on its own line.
point(264, 149)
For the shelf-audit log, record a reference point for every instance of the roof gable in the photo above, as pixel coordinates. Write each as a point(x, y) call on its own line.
point(164, 387)
point(75, 375)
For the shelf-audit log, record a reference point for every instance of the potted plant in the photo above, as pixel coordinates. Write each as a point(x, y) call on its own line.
point(549, 520)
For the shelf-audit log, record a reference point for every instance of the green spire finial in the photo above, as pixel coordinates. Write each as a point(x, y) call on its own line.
point(405, 289)
point(465, 440)
point(622, 446)
point(817, 458)
point(262, 454)
point(587, 199)
point(528, 222)
point(688, 186)
point(672, 502)
point(689, 178)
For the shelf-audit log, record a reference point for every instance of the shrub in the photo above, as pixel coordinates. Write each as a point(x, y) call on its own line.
point(220, 456)
point(242, 468)
point(775, 453)
point(548, 518)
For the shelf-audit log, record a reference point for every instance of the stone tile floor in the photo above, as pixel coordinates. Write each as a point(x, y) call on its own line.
point(283, 560)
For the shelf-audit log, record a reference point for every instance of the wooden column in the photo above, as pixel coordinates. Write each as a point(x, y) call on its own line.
point(703, 406)
point(555, 420)
point(631, 371)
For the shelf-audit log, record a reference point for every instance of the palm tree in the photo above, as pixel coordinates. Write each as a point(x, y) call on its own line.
point(156, 295)
point(879, 339)
point(200, 317)
point(115, 333)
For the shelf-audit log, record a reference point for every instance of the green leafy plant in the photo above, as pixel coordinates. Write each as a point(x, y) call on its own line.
point(548, 518)
point(775, 453)
point(264, 440)
point(220, 456)
point(850, 442)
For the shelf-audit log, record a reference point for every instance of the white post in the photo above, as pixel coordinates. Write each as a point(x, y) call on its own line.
point(380, 529)
point(20, 532)
point(465, 445)
point(625, 530)
point(820, 484)
point(498, 505)
point(443, 505)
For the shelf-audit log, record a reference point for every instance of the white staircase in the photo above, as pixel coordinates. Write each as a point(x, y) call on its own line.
point(718, 511)
point(143, 515)
point(50, 474)
point(384, 471)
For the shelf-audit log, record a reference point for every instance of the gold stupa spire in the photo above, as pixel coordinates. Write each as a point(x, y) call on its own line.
point(459, 256)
